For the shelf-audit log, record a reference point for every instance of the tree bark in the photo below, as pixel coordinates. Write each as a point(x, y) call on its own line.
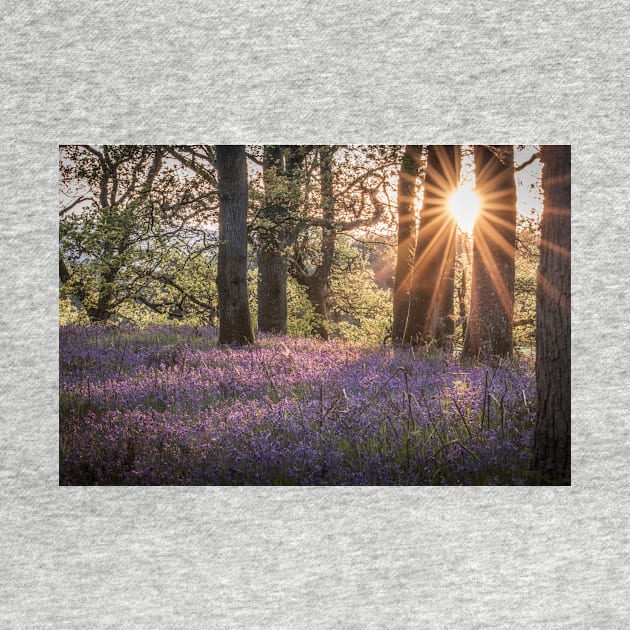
point(489, 330)
point(282, 169)
point(552, 443)
point(272, 291)
point(431, 299)
point(407, 181)
point(272, 264)
point(104, 307)
point(235, 324)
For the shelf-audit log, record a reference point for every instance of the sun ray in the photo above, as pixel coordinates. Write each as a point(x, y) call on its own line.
point(485, 250)
point(429, 252)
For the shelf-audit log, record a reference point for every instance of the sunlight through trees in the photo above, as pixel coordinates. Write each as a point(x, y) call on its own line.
point(421, 278)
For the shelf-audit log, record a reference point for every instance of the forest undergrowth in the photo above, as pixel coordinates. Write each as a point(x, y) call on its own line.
point(164, 405)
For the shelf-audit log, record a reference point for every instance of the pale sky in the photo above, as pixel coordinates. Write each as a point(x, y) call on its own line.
point(527, 181)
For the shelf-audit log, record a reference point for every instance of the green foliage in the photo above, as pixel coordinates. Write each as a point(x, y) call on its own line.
point(527, 255)
point(136, 245)
point(141, 248)
point(360, 311)
point(302, 318)
point(70, 314)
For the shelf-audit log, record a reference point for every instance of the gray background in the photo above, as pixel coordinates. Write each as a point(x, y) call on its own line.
point(260, 72)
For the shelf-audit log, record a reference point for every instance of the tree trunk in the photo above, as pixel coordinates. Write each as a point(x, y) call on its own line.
point(272, 264)
point(235, 324)
point(317, 283)
point(272, 291)
point(463, 254)
point(442, 316)
point(430, 302)
point(489, 330)
point(104, 308)
point(552, 445)
point(407, 180)
point(64, 270)
point(318, 292)
point(319, 289)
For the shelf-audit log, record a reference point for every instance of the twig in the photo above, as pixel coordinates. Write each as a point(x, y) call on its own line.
point(461, 415)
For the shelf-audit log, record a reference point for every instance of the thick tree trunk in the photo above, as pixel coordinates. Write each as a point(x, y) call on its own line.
point(105, 302)
point(552, 446)
point(272, 264)
point(318, 291)
point(430, 302)
point(462, 253)
point(407, 180)
point(235, 324)
point(489, 330)
point(272, 291)
point(282, 167)
point(103, 309)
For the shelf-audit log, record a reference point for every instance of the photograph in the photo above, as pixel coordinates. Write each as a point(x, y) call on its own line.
point(314, 315)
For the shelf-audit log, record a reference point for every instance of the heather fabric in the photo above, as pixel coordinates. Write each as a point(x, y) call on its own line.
point(305, 72)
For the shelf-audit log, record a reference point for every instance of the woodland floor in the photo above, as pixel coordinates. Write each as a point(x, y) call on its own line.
point(169, 406)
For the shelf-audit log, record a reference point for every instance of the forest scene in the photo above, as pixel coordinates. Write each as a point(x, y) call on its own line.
point(314, 314)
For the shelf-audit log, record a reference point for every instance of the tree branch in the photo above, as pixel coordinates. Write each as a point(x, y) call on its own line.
point(207, 175)
point(73, 204)
point(526, 163)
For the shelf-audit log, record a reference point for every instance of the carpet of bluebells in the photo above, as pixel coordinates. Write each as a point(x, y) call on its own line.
point(167, 405)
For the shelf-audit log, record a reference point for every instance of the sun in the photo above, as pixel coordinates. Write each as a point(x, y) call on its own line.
point(464, 204)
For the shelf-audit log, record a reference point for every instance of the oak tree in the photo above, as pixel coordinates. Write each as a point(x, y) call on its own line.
point(489, 329)
point(432, 282)
point(552, 445)
point(235, 324)
point(407, 184)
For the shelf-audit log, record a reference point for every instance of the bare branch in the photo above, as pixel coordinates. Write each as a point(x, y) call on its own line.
point(192, 165)
point(91, 149)
point(76, 202)
point(254, 159)
point(526, 163)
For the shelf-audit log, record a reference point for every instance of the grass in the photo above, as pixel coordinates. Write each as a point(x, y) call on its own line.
point(168, 406)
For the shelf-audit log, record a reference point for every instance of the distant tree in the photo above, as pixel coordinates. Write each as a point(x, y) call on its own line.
point(235, 324)
point(432, 283)
point(552, 445)
point(275, 231)
point(272, 264)
point(344, 200)
point(132, 232)
point(407, 184)
point(359, 308)
point(116, 182)
point(489, 329)
point(526, 270)
point(317, 282)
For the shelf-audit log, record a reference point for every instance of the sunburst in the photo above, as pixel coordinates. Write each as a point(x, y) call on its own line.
point(464, 205)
